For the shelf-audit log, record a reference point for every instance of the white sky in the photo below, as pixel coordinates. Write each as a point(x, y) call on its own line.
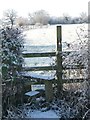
point(53, 7)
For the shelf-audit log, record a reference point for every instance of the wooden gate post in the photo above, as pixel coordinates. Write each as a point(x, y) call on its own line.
point(59, 59)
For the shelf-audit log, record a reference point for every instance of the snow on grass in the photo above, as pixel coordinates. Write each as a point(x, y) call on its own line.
point(47, 36)
point(41, 36)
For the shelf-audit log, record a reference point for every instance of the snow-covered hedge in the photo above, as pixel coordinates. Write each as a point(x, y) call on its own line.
point(12, 46)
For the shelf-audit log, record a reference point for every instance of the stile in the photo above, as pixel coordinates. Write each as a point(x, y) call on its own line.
point(58, 68)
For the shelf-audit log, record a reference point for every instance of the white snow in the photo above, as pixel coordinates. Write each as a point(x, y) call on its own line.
point(38, 76)
point(41, 36)
point(47, 36)
point(38, 87)
point(32, 93)
point(47, 114)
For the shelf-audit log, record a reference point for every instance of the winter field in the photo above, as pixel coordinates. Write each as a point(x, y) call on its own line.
point(46, 35)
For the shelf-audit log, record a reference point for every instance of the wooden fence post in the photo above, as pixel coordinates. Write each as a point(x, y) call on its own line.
point(59, 59)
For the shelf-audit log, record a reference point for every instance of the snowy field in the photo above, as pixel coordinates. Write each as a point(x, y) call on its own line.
point(47, 35)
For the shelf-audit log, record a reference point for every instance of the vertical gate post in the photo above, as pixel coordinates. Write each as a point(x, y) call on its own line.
point(59, 59)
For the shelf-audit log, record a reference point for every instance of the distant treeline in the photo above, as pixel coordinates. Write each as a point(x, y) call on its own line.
point(41, 17)
point(67, 20)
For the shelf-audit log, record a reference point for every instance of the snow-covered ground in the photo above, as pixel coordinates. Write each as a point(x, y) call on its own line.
point(47, 114)
point(47, 36)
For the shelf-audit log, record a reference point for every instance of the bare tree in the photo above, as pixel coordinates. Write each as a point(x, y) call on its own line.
point(40, 16)
point(22, 21)
point(10, 17)
point(31, 19)
point(83, 17)
point(66, 18)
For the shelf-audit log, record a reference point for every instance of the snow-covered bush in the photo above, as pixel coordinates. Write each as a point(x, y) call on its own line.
point(12, 46)
point(79, 56)
point(12, 60)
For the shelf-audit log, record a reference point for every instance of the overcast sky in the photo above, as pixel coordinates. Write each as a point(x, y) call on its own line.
point(53, 7)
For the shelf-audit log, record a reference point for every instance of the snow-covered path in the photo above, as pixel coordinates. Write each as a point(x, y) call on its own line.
point(48, 114)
